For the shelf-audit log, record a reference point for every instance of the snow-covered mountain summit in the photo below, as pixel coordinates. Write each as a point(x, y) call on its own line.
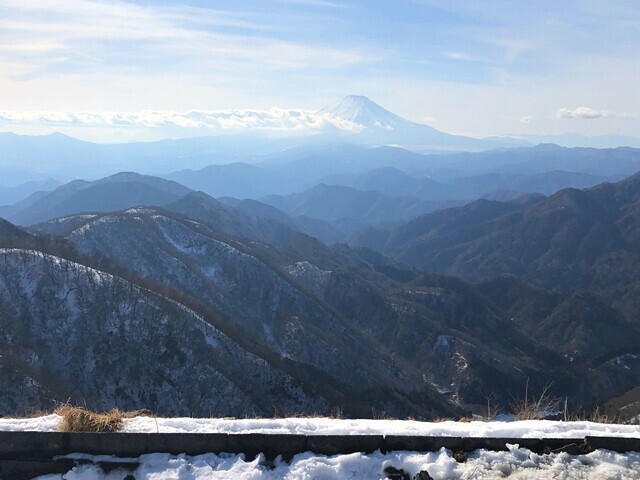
point(379, 126)
point(364, 111)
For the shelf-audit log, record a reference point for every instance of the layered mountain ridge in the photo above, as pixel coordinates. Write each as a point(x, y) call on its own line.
point(574, 239)
point(421, 315)
point(423, 344)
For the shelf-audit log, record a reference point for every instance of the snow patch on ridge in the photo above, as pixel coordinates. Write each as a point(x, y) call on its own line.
point(311, 276)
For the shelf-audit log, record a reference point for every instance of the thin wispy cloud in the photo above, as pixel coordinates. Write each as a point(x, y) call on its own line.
point(459, 56)
point(119, 33)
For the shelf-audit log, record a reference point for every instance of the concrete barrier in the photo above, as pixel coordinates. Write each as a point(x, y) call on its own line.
point(45, 445)
point(27, 469)
point(36, 452)
point(617, 444)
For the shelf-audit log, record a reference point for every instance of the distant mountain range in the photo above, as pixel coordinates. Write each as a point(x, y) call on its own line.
point(244, 218)
point(30, 158)
point(339, 189)
point(574, 239)
point(57, 155)
point(393, 182)
point(398, 172)
point(576, 140)
point(116, 192)
point(15, 193)
point(540, 159)
point(350, 209)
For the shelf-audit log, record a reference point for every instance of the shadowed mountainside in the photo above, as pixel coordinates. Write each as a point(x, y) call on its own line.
point(574, 239)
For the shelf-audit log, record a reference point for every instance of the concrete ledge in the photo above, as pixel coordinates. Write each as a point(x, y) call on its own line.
point(24, 455)
point(45, 445)
point(617, 444)
point(335, 444)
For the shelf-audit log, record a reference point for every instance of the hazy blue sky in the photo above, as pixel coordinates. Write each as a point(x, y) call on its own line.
point(463, 66)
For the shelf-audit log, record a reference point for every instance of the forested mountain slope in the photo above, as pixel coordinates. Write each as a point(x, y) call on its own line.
point(321, 310)
point(574, 239)
point(73, 333)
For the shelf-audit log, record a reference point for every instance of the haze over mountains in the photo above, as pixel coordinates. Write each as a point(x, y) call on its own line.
point(27, 158)
point(334, 190)
point(365, 121)
point(241, 274)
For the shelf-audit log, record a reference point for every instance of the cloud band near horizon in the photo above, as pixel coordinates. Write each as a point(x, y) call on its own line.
point(274, 119)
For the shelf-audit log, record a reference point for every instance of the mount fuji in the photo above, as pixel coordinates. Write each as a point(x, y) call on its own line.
point(363, 111)
point(379, 126)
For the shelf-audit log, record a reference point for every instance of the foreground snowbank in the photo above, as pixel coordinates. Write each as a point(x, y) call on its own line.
point(47, 423)
point(517, 463)
point(329, 426)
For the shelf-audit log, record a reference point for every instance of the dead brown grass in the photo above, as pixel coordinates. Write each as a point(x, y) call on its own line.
point(536, 408)
point(441, 419)
point(596, 416)
point(78, 419)
point(466, 419)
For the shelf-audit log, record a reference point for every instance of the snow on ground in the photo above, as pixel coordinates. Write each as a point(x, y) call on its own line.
point(329, 426)
point(518, 463)
point(47, 423)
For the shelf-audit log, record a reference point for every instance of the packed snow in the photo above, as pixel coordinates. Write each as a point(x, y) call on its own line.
point(517, 463)
point(330, 426)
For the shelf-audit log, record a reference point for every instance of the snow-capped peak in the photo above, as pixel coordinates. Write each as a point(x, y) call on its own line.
point(362, 110)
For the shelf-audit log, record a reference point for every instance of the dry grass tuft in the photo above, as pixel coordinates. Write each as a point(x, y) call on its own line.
point(596, 416)
point(78, 419)
point(466, 419)
point(536, 408)
point(442, 419)
point(600, 417)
